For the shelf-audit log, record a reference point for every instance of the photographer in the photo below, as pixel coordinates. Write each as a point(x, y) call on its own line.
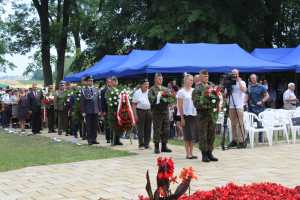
point(236, 110)
point(257, 96)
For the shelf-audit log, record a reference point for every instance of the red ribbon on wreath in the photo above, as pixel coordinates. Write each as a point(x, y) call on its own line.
point(217, 91)
point(125, 97)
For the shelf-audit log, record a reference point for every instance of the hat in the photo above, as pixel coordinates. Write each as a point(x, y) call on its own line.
point(144, 80)
point(68, 83)
point(89, 78)
point(16, 89)
point(25, 90)
point(50, 86)
point(8, 90)
point(83, 78)
point(62, 83)
point(158, 74)
point(114, 78)
point(203, 71)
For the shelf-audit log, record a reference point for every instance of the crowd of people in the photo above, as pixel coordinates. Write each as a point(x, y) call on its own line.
point(193, 123)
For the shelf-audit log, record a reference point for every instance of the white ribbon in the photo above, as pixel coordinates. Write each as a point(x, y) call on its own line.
point(158, 97)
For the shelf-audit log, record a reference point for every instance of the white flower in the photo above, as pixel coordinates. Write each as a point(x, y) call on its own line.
point(214, 101)
point(124, 101)
point(47, 98)
point(117, 90)
point(115, 103)
point(112, 92)
point(78, 99)
point(224, 109)
point(115, 97)
point(68, 95)
point(214, 110)
point(109, 99)
point(71, 92)
point(79, 95)
point(68, 100)
point(110, 104)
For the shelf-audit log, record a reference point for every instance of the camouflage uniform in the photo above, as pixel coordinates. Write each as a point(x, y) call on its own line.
point(205, 123)
point(50, 113)
point(160, 114)
point(61, 110)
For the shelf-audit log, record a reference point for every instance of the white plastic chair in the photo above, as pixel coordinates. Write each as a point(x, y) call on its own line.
point(272, 118)
point(294, 129)
point(298, 108)
point(285, 115)
point(251, 128)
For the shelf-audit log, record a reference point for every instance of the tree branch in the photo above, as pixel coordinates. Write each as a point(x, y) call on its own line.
point(37, 6)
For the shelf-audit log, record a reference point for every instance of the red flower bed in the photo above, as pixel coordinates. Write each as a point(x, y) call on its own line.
point(260, 191)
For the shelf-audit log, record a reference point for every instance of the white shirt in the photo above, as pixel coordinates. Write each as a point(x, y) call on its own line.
point(266, 86)
point(5, 99)
point(187, 104)
point(170, 113)
point(237, 95)
point(141, 100)
point(289, 94)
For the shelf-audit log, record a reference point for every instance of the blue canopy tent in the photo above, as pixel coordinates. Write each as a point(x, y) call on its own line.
point(134, 58)
point(271, 54)
point(216, 58)
point(106, 62)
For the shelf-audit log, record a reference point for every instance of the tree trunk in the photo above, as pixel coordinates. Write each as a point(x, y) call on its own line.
point(43, 14)
point(63, 44)
point(77, 42)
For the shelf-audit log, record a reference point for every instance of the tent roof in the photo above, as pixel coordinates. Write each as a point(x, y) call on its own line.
point(134, 58)
point(216, 58)
point(106, 62)
point(292, 58)
point(271, 54)
point(4, 86)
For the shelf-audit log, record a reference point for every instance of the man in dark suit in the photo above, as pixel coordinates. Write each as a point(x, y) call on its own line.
point(105, 107)
point(90, 107)
point(34, 98)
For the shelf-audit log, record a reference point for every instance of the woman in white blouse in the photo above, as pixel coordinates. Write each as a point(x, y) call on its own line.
point(188, 115)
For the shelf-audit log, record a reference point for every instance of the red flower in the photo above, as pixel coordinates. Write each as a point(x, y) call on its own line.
point(125, 117)
point(114, 113)
point(207, 87)
point(123, 110)
point(222, 90)
point(207, 94)
point(115, 126)
point(114, 119)
point(117, 122)
point(171, 96)
point(157, 92)
point(129, 115)
point(121, 115)
point(217, 90)
point(225, 96)
point(123, 129)
point(164, 94)
point(217, 85)
point(127, 121)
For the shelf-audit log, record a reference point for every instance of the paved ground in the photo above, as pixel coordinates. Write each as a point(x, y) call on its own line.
point(124, 178)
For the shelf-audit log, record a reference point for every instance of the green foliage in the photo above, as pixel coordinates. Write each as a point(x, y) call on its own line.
point(38, 150)
point(30, 82)
point(77, 107)
point(166, 97)
point(38, 75)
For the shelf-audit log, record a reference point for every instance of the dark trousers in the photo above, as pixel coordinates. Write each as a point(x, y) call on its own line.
point(36, 121)
point(171, 129)
point(91, 127)
point(107, 130)
point(51, 117)
point(5, 117)
point(144, 127)
point(76, 127)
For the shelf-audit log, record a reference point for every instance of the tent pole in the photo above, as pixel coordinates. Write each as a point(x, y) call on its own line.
point(296, 91)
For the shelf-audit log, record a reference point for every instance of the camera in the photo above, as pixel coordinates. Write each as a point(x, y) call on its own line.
point(228, 79)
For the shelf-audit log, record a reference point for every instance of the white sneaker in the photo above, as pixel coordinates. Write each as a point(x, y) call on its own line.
point(141, 148)
point(181, 138)
point(148, 148)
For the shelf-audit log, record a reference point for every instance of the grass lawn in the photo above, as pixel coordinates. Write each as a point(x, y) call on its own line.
point(17, 152)
point(26, 82)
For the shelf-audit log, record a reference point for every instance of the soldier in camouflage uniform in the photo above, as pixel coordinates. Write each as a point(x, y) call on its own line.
point(114, 81)
point(160, 115)
point(50, 111)
point(68, 118)
point(205, 125)
point(59, 107)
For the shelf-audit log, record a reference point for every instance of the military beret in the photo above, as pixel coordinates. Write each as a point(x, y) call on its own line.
point(68, 83)
point(50, 86)
point(144, 80)
point(89, 78)
point(114, 78)
point(158, 74)
point(83, 78)
point(62, 83)
point(203, 71)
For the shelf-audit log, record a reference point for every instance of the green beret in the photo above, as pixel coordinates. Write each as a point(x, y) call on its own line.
point(114, 78)
point(203, 71)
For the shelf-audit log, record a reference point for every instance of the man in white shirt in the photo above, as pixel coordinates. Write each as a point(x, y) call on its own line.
point(5, 109)
point(237, 102)
point(289, 98)
point(266, 84)
point(143, 115)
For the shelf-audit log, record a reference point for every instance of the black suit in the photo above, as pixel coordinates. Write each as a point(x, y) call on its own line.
point(36, 110)
point(105, 109)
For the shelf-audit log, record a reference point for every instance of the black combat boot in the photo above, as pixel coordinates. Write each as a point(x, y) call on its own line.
point(117, 141)
point(49, 130)
point(53, 131)
point(59, 133)
point(71, 132)
point(164, 147)
point(211, 157)
point(205, 157)
point(67, 133)
point(156, 150)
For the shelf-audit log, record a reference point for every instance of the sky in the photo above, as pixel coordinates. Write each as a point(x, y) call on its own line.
point(22, 61)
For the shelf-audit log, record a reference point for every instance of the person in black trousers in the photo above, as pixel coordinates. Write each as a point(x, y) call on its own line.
point(105, 108)
point(34, 98)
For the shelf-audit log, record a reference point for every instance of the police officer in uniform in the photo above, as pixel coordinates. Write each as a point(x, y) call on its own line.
point(160, 115)
point(114, 83)
point(5, 109)
point(59, 107)
point(205, 123)
point(83, 128)
point(90, 106)
point(50, 111)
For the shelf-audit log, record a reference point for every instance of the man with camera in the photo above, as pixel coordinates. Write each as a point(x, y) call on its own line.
point(257, 96)
point(236, 111)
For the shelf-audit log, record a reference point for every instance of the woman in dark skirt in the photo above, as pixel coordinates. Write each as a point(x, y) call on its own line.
point(22, 109)
point(188, 114)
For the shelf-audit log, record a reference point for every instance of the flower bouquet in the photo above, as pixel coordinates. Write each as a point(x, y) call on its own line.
point(120, 116)
point(46, 104)
point(66, 100)
point(77, 107)
point(165, 97)
point(44, 90)
point(214, 99)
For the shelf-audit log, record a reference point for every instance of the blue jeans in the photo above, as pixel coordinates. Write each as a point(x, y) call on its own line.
point(76, 126)
point(171, 129)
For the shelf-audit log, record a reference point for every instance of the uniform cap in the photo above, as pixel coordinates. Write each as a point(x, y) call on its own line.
point(203, 71)
point(68, 83)
point(158, 74)
point(16, 89)
point(89, 78)
point(144, 80)
point(62, 83)
point(50, 86)
point(83, 78)
point(25, 90)
point(114, 78)
point(8, 90)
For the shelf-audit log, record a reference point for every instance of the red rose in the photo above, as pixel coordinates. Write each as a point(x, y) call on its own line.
point(125, 117)
point(123, 129)
point(207, 87)
point(114, 113)
point(128, 126)
point(225, 96)
point(157, 92)
point(129, 114)
point(171, 96)
point(124, 106)
point(114, 119)
point(117, 122)
point(115, 126)
point(222, 90)
point(165, 91)
point(123, 110)
point(164, 94)
point(127, 110)
point(217, 90)
point(207, 94)
point(119, 126)
point(127, 121)
point(217, 85)
point(121, 115)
